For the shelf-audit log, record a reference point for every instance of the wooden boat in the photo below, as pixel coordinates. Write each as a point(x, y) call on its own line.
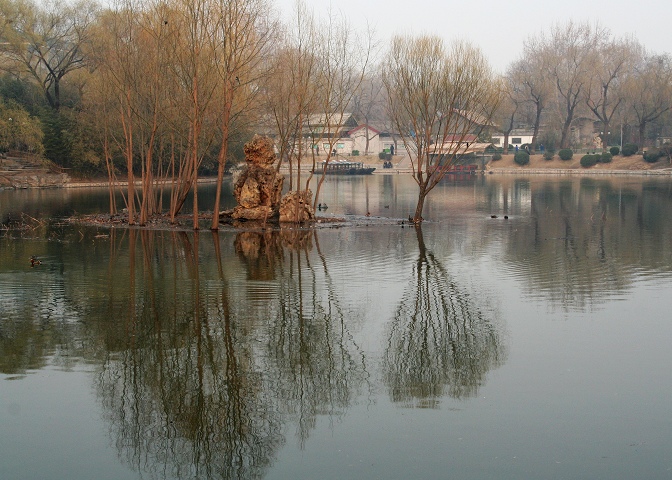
point(344, 167)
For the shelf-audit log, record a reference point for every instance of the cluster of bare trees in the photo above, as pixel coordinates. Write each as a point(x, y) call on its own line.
point(582, 70)
point(175, 81)
point(169, 84)
point(161, 88)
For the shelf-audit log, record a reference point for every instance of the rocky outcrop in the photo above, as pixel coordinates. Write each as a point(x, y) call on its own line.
point(297, 207)
point(258, 190)
point(259, 187)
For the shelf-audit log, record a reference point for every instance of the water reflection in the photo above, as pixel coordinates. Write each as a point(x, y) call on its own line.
point(439, 338)
point(586, 238)
point(184, 394)
point(214, 352)
point(316, 366)
point(195, 382)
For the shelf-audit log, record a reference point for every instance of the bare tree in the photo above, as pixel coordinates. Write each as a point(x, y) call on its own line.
point(314, 75)
point(569, 56)
point(606, 92)
point(649, 91)
point(47, 41)
point(509, 109)
point(242, 38)
point(436, 98)
point(533, 84)
point(291, 90)
point(344, 62)
point(368, 104)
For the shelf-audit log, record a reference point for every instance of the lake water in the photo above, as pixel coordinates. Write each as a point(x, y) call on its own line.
point(538, 346)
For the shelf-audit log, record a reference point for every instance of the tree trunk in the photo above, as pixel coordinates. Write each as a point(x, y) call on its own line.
point(422, 194)
point(535, 133)
point(564, 140)
point(221, 158)
point(642, 133)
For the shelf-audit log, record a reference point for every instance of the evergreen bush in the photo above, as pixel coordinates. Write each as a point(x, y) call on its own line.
point(355, 153)
point(614, 151)
point(565, 153)
point(496, 156)
point(652, 155)
point(589, 160)
point(629, 149)
point(548, 155)
point(521, 158)
point(606, 157)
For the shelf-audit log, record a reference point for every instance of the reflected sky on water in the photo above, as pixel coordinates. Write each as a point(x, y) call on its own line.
point(535, 346)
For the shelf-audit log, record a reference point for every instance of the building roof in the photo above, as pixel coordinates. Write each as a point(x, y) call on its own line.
point(460, 148)
point(457, 137)
point(363, 126)
point(329, 119)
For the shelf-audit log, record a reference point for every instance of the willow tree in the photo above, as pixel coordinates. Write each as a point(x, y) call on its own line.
point(438, 98)
point(243, 36)
point(649, 91)
point(291, 90)
point(607, 90)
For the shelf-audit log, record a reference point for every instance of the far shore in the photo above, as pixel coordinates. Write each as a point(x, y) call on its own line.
point(633, 165)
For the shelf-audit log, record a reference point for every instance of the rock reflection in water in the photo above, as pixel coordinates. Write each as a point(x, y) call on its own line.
point(262, 251)
point(439, 338)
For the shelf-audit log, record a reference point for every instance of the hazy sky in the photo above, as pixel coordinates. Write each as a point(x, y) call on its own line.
point(500, 28)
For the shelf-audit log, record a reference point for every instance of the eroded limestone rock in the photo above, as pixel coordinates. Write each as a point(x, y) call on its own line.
point(259, 188)
point(297, 207)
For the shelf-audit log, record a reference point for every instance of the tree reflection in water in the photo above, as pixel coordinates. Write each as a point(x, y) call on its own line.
point(196, 384)
point(314, 363)
point(439, 338)
point(183, 394)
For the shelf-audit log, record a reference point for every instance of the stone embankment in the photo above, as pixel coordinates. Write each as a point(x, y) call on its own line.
point(633, 165)
point(27, 172)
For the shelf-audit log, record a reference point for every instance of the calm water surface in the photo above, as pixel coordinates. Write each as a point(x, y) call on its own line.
point(533, 347)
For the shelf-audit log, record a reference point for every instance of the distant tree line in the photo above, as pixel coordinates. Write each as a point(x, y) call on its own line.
point(579, 70)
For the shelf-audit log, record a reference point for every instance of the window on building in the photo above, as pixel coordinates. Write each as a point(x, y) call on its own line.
point(496, 141)
point(516, 140)
point(340, 146)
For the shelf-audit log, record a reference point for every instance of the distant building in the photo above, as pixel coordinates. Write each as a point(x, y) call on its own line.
point(517, 137)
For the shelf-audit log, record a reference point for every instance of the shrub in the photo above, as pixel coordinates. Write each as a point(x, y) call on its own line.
point(565, 153)
point(614, 151)
point(652, 155)
point(355, 153)
point(382, 155)
point(606, 157)
point(548, 155)
point(521, 158)
point(589, 160)
point(496, 156)
point(629, 149)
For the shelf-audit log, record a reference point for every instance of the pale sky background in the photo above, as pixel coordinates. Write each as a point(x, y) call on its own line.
point(499, 28)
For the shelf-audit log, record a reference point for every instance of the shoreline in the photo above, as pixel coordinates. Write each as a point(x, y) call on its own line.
point(620, 166)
